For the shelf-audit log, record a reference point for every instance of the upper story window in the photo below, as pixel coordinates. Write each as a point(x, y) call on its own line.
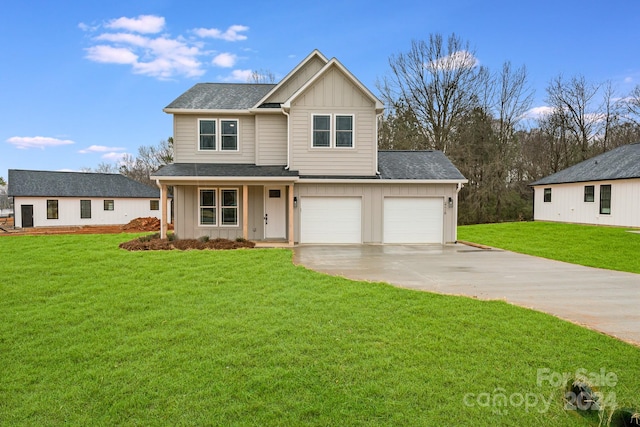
point(218, 134)
point(547, 195)
point(332, 131)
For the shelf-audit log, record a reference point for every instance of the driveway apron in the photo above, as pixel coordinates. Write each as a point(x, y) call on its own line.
point(603, 300)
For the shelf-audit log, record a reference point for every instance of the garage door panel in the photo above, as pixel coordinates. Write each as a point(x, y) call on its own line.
point(413, 220)
point(331, 220)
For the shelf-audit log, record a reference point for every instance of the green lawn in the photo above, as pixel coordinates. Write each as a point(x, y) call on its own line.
point(94, 335)
point(604, 247)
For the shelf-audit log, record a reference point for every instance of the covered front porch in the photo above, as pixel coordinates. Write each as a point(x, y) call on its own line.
point(260, 211)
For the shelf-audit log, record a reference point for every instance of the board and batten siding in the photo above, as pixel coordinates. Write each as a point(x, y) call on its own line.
point(271, 139)
point(124, 210)
point(186, 140)
point(568, 205)
point(333, 94)
point(296, 81)
point(373, 196)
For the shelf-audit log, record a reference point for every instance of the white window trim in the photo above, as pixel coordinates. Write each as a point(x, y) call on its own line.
point(333, 131)
point(215, 206)
point(218, 207)
point(237, 208)
point(218, 138)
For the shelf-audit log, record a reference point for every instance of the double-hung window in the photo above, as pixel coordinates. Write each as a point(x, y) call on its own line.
point(589, 192)
point(218, 134)
point(219, 206)
point(605, 199)
point(547, 195)
point(85, 208)
point(52, 209)
point(332, 131)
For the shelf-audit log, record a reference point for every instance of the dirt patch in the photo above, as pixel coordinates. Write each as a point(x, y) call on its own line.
point(155, 243)
point(144, 224)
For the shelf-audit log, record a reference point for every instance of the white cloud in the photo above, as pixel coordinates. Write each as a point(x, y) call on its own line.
point(238, 76)
point(628, 80)
point(459, 59)
point(100, 149)
point(116, 157)
point(231, 35)
point(25, 142)
point(111, 55)
point(225, 60)
point(538, 112)
point(124, 38)
point(144, 24)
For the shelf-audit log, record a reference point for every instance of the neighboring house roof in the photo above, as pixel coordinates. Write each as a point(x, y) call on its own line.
point(220, 96)
point(409, 165)
point(29, 183)
point(620, 163)
point(428, 164)
point(222, 170)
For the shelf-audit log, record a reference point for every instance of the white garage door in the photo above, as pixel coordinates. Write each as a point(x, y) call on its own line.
point(330, 220)
point(413, 220)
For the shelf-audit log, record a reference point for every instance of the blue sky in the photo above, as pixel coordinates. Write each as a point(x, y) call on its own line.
point(85, 82)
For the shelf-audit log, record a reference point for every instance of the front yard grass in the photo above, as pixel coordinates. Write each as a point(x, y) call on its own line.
point(94, 335)
point(612, 248)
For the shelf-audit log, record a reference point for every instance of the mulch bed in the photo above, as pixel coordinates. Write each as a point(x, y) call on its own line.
point(155, 243)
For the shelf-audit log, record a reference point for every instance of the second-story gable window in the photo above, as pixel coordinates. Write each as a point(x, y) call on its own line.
point(332, 131)
point(218, 134)
point(322, 131)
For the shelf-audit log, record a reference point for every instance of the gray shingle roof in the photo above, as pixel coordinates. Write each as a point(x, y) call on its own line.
point(226, 170)
point(416, 165)
point(620, 163)
point(28, 183)
point(424, 165)
point(221, 96)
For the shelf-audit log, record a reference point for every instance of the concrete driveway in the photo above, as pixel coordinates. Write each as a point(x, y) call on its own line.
point(604, 300)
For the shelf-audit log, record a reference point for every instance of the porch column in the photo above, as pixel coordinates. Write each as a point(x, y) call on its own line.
point(163, 210)
point(290, 214)
point(245, 212)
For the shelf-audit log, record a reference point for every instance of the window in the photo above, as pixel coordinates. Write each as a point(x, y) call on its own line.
point(228, 204)
point(108, 205)
point(52, 209)
point(154, 205)
point(85, 208)
point(274, 194)
point(547, 195)
point(208, 207)
point(321, 131)
point(229, 209)
point(605, 199)
point(589, 193)
point(229, 135)
point(207, 134)
point(344, 131)
point(226, 139)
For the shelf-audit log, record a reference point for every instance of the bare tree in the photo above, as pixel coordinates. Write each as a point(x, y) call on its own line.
point(261, 76)
point(437, 81)
point(631, 105)
point(149, 160)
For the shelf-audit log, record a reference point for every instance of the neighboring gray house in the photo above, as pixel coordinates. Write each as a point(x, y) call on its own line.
point(48, 199)
point(602, 190)
point(298, 161)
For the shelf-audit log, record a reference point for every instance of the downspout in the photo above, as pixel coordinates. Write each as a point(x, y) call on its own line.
point(288, 139)
point(458, 188)
point(377, 122)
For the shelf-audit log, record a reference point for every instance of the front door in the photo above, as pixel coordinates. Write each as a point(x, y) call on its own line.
point(275, 213)
point(26, 212)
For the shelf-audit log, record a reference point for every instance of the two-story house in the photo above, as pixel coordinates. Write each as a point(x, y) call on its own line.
point(298, 161)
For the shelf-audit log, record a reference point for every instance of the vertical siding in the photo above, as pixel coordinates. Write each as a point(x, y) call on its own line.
point(568, 205)
point(271, 139)
point(124, 210)
point(186, 141)
point(373, 204)
point(297, 80)
point(334, 93)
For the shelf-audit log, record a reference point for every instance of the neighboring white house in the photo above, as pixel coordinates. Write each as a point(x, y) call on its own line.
point(298, 161)
point(49, 199)
point(603, 190)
